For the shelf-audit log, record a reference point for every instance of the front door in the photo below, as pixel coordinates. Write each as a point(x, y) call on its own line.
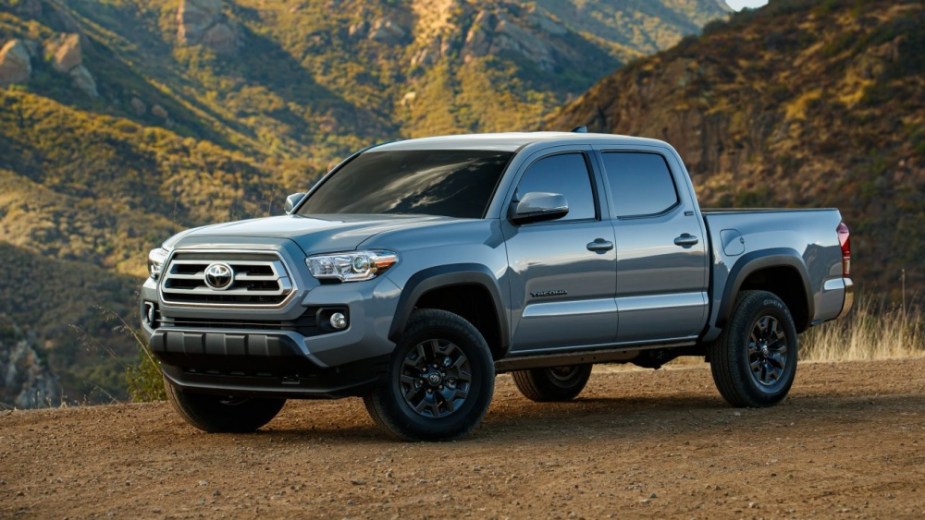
point(562, 271)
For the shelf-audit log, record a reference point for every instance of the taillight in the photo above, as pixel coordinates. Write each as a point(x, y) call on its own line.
point(844, 239)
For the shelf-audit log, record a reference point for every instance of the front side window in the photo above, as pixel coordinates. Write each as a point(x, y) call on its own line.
point(450, 183)
point(566, 174)
point(641, 183)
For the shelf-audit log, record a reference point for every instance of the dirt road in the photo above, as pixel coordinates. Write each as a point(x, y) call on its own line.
point(848, 443)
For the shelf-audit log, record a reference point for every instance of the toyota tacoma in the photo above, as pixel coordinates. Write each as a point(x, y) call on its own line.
point(415, 271)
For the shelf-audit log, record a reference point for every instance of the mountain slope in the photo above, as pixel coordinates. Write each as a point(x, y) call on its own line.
point(286, 79)
point(123, 121)
point(798, 104)
point(100, 189)
point(139, 118)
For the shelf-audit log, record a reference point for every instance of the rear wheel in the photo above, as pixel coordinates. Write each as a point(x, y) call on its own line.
point(440, 382)
point(215, 413)
point(754, 361)
point(552, 384)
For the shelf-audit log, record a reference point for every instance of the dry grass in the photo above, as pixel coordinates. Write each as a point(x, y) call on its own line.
point(871, 331)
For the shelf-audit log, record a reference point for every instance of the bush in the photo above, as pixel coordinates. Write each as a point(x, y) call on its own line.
point(144, 379)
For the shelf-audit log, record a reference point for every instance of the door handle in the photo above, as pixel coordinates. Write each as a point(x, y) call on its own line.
point(686, 240)
point(600, 246)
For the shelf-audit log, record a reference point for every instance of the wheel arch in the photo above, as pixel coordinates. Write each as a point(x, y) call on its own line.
point(778, 271)
point(469, 290)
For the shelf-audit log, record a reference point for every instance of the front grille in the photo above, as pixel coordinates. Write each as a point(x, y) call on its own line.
point(259, 279)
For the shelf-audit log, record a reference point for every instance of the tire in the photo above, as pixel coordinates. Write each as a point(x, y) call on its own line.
point(754, 361)
point(217, 414)
point(426, 396)
point(552, 384)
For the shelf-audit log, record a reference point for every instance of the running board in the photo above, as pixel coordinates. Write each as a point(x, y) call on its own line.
point(612, 355)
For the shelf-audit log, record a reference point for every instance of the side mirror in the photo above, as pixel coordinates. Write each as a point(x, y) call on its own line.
point(292, 201)
point(536, 206)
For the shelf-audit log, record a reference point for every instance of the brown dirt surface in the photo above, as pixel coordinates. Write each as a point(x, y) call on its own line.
point(847, 443)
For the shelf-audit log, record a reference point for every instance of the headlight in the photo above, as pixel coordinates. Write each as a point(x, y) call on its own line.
point(156, 260)
point(351, 267)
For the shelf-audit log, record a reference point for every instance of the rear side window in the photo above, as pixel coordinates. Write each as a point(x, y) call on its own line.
point(566, 174)
point(641, 183)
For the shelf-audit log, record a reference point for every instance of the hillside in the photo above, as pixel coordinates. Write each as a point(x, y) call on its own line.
point(123, 121)
point(59, 328)
point(82, 199)
point(286, 79)
point(798, 104)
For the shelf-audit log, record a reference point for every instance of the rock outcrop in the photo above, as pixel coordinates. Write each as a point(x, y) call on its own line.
point(478, 39)
point(67, 53)
point(387, 31)
point(67, 57)
point(201, 22)
point(493, 33)
point(25, 380)
point(84, 81)
point(15, 65)
point(195, 17)
point(221, 38)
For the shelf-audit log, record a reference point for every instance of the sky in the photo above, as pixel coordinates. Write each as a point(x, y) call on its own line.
point(739, 4)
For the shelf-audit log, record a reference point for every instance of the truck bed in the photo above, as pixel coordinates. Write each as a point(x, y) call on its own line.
point(792, 236)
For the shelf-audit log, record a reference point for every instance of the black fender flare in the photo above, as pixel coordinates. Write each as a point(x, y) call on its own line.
point(447, 276)
point(756, 261)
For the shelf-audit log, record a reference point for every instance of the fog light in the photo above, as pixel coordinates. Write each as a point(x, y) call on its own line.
point(338, 321)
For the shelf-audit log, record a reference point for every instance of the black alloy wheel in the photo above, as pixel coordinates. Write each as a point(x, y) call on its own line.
point(767, 351)
point(435, 378)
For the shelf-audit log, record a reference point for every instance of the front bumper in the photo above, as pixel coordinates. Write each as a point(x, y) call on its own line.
point(287, 351)
point(257, 363)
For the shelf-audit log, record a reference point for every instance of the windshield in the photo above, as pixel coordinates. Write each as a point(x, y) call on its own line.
point(451, 183)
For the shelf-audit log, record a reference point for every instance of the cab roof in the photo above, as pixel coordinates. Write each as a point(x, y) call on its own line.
point(512, 141)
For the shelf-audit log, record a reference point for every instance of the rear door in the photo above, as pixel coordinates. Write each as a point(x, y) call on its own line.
point(661, 246)
point(562, 271)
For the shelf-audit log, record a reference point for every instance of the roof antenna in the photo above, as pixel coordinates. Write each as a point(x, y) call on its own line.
point(580, 130)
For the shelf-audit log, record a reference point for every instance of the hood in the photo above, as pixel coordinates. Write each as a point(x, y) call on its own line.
point(320, 234)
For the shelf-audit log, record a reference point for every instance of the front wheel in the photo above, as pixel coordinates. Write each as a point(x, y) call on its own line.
point(441, 380)
point(215, 413)
point(552, 384)
point(754, 361)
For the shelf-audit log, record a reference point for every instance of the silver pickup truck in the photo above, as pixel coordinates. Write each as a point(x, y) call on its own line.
point(415, 271)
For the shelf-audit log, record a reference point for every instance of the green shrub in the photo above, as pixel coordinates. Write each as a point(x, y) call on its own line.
point(144, 379)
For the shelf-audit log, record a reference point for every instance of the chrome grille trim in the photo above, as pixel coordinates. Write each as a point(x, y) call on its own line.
point(261, 279)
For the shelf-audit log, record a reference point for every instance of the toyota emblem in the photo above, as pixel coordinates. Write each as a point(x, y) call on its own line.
point(219, 276)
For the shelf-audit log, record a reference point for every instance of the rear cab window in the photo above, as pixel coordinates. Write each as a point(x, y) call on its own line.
point(641, 184)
